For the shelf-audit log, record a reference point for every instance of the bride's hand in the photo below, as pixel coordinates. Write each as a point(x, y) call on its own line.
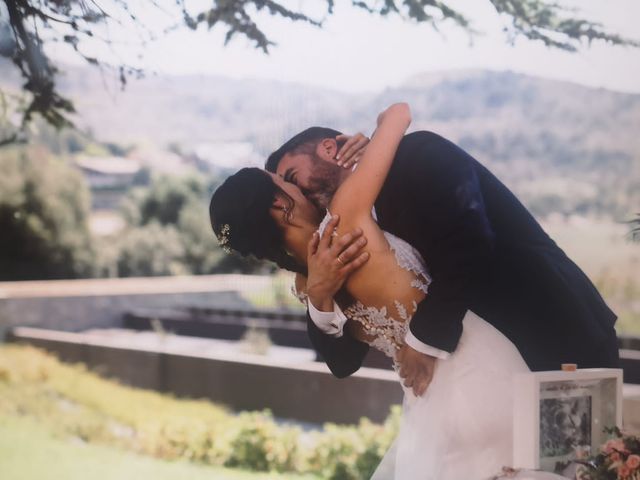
point(398, 112)
point(416, 369)
point(352, 150)
point(330, 261)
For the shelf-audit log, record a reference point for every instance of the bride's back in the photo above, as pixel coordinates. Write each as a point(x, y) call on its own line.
point(381, 283)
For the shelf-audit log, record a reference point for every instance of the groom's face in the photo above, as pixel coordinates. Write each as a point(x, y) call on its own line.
point(316, 177)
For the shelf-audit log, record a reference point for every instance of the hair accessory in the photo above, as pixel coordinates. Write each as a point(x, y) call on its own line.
point(223, 238)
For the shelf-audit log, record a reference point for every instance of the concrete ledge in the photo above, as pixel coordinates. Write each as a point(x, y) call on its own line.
point(128, 286)
point(75, 305)
point(288, 382)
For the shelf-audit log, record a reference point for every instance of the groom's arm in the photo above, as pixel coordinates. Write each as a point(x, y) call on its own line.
point(342, 353)
point(332, 322)
point(444, 190)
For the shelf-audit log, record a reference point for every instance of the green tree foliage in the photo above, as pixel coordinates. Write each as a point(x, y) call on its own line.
point(201, 251)
point(44, 208)
point(150, 250)
point(44, 211)
point(27, 26)
point(165, 200)
point(169, 232)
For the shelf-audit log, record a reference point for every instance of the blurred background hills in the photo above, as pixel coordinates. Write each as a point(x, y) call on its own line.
point(560, 146)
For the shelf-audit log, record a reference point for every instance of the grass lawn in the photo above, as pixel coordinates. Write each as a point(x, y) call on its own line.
point(29, 452)
point(603, 250)
point(60, 421)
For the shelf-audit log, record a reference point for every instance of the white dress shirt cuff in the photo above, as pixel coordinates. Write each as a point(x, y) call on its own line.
point(421, 347)
point(331, 323)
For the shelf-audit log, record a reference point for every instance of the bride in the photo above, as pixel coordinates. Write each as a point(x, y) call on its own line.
point(461, 428)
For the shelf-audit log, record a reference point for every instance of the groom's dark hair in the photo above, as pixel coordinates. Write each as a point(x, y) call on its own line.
point(303, 142)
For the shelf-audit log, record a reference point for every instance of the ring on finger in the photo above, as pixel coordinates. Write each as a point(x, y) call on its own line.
point(340, 260)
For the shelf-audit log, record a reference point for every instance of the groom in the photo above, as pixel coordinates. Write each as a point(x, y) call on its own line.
point(485, 253)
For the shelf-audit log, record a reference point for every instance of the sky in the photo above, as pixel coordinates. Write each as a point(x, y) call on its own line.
point(359, 52)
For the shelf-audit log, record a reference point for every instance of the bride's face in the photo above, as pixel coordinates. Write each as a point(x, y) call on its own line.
point(302, 212)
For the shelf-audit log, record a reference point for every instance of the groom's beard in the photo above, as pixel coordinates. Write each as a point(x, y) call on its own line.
point(323, 183)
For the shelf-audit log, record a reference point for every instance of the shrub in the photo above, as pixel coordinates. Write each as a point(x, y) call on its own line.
point(168, 232)
point(259, 444)
point(149, 251)
point(250, 447)
point(73, 402)
point(44, 211)
point(353, 452)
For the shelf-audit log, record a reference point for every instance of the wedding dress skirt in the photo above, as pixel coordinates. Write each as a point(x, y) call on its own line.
point(461, 428)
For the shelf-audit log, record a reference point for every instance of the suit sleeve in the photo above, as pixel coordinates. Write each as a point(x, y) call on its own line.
point(444, 190)
point(343, 355)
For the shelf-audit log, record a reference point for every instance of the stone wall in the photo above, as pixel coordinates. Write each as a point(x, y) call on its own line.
point(299, 390)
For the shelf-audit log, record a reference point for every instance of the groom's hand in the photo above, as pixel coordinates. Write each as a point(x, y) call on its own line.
point(416, 369)
point(330, 260)
point(352, 150)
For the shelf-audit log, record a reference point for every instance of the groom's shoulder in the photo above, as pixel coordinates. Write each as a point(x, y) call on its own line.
point(425, 139)
point(424, 144)
point(422, 136)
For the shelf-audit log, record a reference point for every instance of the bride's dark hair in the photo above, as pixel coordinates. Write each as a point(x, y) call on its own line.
point(240, 217)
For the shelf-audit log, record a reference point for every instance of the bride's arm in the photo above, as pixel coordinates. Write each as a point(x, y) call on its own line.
point(359, 191)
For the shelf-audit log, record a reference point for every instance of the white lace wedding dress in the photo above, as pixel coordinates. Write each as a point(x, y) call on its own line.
point(461, 428)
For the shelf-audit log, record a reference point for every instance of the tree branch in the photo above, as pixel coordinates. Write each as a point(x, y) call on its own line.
point(538, 20)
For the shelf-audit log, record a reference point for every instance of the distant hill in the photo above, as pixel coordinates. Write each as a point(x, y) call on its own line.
point(559, 146)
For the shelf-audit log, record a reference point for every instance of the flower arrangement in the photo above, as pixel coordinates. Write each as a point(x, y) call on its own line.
point(618, 459)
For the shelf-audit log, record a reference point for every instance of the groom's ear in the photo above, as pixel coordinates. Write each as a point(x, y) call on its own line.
point(327, 149)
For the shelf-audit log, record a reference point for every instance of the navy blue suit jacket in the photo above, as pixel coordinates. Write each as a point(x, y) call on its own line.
point(486, 253)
